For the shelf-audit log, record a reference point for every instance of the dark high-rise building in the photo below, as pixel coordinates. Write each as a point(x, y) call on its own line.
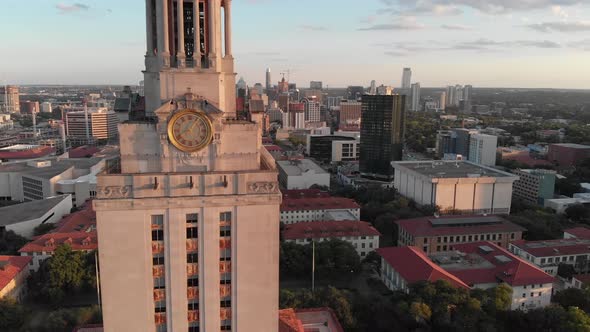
point(382, 134)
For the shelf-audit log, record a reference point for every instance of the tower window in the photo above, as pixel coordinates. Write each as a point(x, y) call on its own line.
point(158, 220)
point(157, 235)
point(192, 258)
point(193, 306)
point(158, 260)
point(192, 218)
point(192, 232)
point(226, 303)
point(225, 216)
point(192, 282)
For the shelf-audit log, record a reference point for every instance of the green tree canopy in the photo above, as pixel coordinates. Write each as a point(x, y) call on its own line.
point(12, 315)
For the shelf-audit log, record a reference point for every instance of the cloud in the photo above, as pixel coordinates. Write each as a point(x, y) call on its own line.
point(459, 27)
point(583, 45)
point(405, 23)
point(452, 7)
point(562, 26)
point(559, 11)
point(307, 27)
point(400, 49)
point(73, 8)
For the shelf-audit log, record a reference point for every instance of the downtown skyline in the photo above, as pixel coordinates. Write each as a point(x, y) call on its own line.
point(496, 43)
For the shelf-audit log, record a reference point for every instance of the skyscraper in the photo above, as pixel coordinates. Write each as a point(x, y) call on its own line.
point(416, 97)
point(268, 80)
point(407, 78)
point(373, 88)
point(9, 99)
point(382, 134)
point(442, 102)
point(312, 110)
point(188, 220)
point(467, 92)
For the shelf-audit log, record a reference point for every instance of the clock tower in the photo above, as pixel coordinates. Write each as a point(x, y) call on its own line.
point(188, 218)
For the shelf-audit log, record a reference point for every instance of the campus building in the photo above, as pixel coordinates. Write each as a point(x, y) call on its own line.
point(436, 234)
point(455, 187)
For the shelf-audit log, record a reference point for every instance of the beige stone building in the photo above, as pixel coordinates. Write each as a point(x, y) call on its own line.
point(13, 277)
point(188, 221)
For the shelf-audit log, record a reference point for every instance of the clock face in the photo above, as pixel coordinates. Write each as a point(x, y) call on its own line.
point(189, 130)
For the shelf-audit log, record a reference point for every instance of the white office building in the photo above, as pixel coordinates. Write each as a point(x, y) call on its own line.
point(415, 97)
point(301, 174)
point(482, 149)
point(456, 187)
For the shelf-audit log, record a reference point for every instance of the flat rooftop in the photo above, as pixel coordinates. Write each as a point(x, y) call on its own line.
point(573, 146)
point(457, 225)
point(454, 260)
point(17, 213)
point(550, 248)
point(450, 169)
point(299, 167)
point(56, 168)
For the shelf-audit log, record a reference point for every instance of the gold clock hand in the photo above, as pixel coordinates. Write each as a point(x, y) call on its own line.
point(191, 127)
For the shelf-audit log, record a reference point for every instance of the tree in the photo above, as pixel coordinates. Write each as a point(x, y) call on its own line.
point(573, 297)
point(12, 315)
point(336, 259)
point(43, 229)
point(566, 270)
point(421, 312)
point(577, 320)
point(578, 212)
point(67, 272)
point(66, 268)
point(567, 187)
point(10, 243)
point(295, 260)
point(502, 297)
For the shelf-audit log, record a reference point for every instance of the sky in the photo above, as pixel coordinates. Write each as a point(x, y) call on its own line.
point(486, 43)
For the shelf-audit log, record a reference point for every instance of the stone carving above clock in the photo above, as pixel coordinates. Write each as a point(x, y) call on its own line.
point(263, 187)
point(114, 191)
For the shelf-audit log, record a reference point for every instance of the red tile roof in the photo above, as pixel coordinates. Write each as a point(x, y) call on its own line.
point(515, 272)
point(335, 323)
point(551, 248)
point(413, 265)
point(304, 193)
point(328, 229)
point(584, 278)
point(579, 232)
point(423, 226)
point(273, 148)
point(15, 265)
point(80, 221)
point(50, 241)
point(318, 203)
point(39, 152)
point(524, 157)
point(83, 152)
point(288, 321)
